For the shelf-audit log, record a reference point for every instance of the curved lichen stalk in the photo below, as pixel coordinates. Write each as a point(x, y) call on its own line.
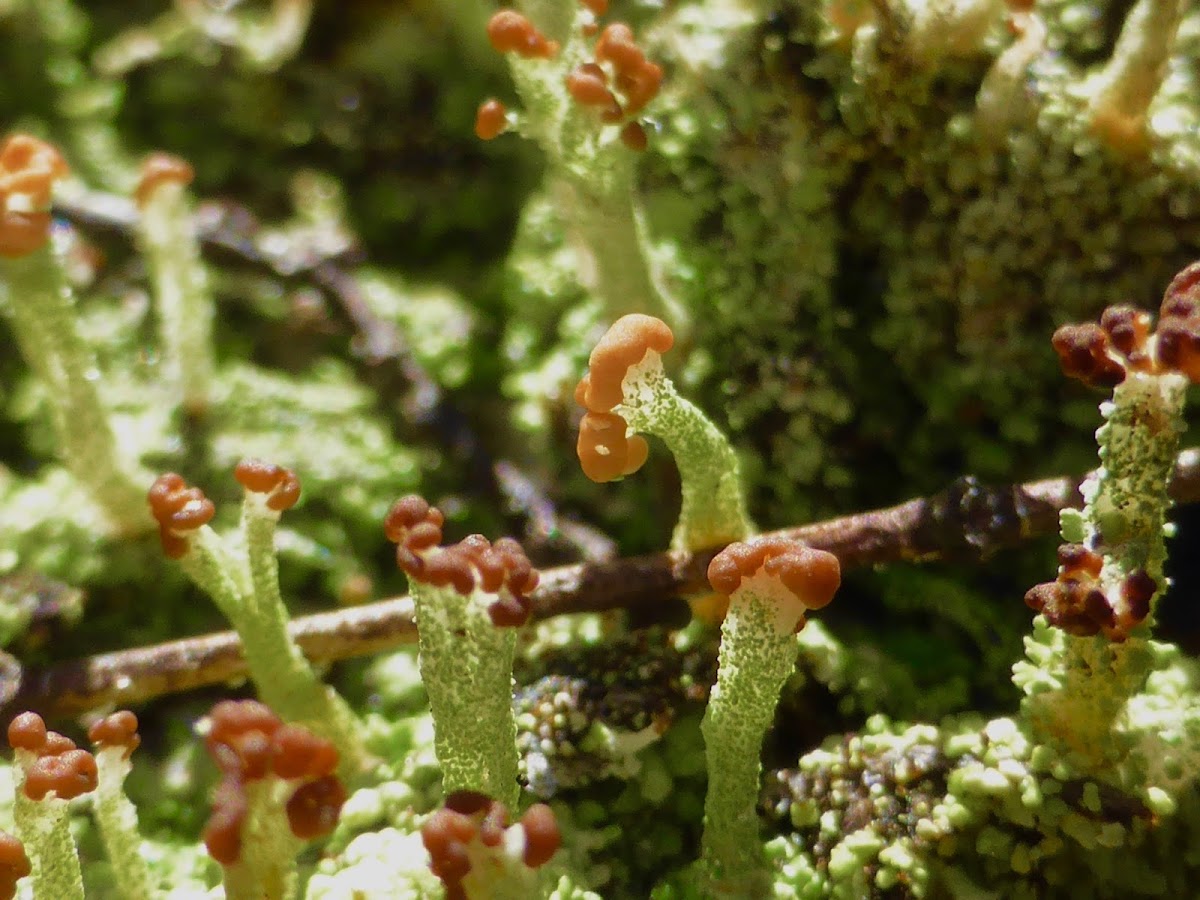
point(626, 391)
point(1123, 91)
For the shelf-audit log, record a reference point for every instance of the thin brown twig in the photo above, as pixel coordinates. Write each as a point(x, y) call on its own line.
point(966, 519)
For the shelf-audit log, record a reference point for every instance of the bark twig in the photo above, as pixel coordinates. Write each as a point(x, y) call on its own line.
point(965, 520)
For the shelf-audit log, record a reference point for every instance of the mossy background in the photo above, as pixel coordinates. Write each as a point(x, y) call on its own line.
point(871, 288)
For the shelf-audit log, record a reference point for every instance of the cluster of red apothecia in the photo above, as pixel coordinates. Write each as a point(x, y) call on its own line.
point(178, 509)
point(617, 93)
point(250, 743)
point(468, 817)
point(811, 576)
point(281, 485)
point(51, 761)
point(501, 568)
point(1076, 603)
point(120, 729)
point(1122, 343)
point(28, 168)
point(636, 79)
point(14, 865)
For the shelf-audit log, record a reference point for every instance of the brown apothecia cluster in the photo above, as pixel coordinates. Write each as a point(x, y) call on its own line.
point(1076, 602)
point(28, 169)
point(51, 762)
point(810, 576)
point(118, 729)
point(249, 743)
point(606, 451)
point(471, 823)
point(510, 32)
point(1122, 343)
point(281, 485)
point(179, 510)
point(14, 865)
point(499, 568)
point(617, 83)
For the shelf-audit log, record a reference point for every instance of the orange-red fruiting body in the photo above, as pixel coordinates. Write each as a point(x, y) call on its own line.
point(470, 817)
point(588, 85)
point(812, 575)
point(1076, 603)
point(414, 523)
point(116, 730)
point(68, 775)
point(178, 509)
point(282, 485)
point(250, 743)
point(28, 168)
point(633, 136)
point(501, 568)
point(491, 120)
point(542, 835)
point(14, 865)
point(27, 732)
point(58, 766)
point(617, 46)
point(223, 832)
point(606, 451)
point(22, 232)
point(510, 32)
point(313, 808)
point(161, 168)
point(1083, 353)
point(625, 344)
point(298, 753)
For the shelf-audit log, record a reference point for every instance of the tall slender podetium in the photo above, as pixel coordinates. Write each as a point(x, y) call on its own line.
point(771, 584)
point(38, 301)
point(1091, 648)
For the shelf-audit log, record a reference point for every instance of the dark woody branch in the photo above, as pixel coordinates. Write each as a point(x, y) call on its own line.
point(965, 521)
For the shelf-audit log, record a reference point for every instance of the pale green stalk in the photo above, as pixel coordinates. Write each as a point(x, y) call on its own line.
point(755, 659)
point(286, 679)
point(466, 667)
point(117, 819)
point(591, 171)
point(266, 869)
point(1077, 687)
point(713, 510)
point(1133, 75)
point(41, 306)
point(167, 237)
point(44, 828)
point(245, 587)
